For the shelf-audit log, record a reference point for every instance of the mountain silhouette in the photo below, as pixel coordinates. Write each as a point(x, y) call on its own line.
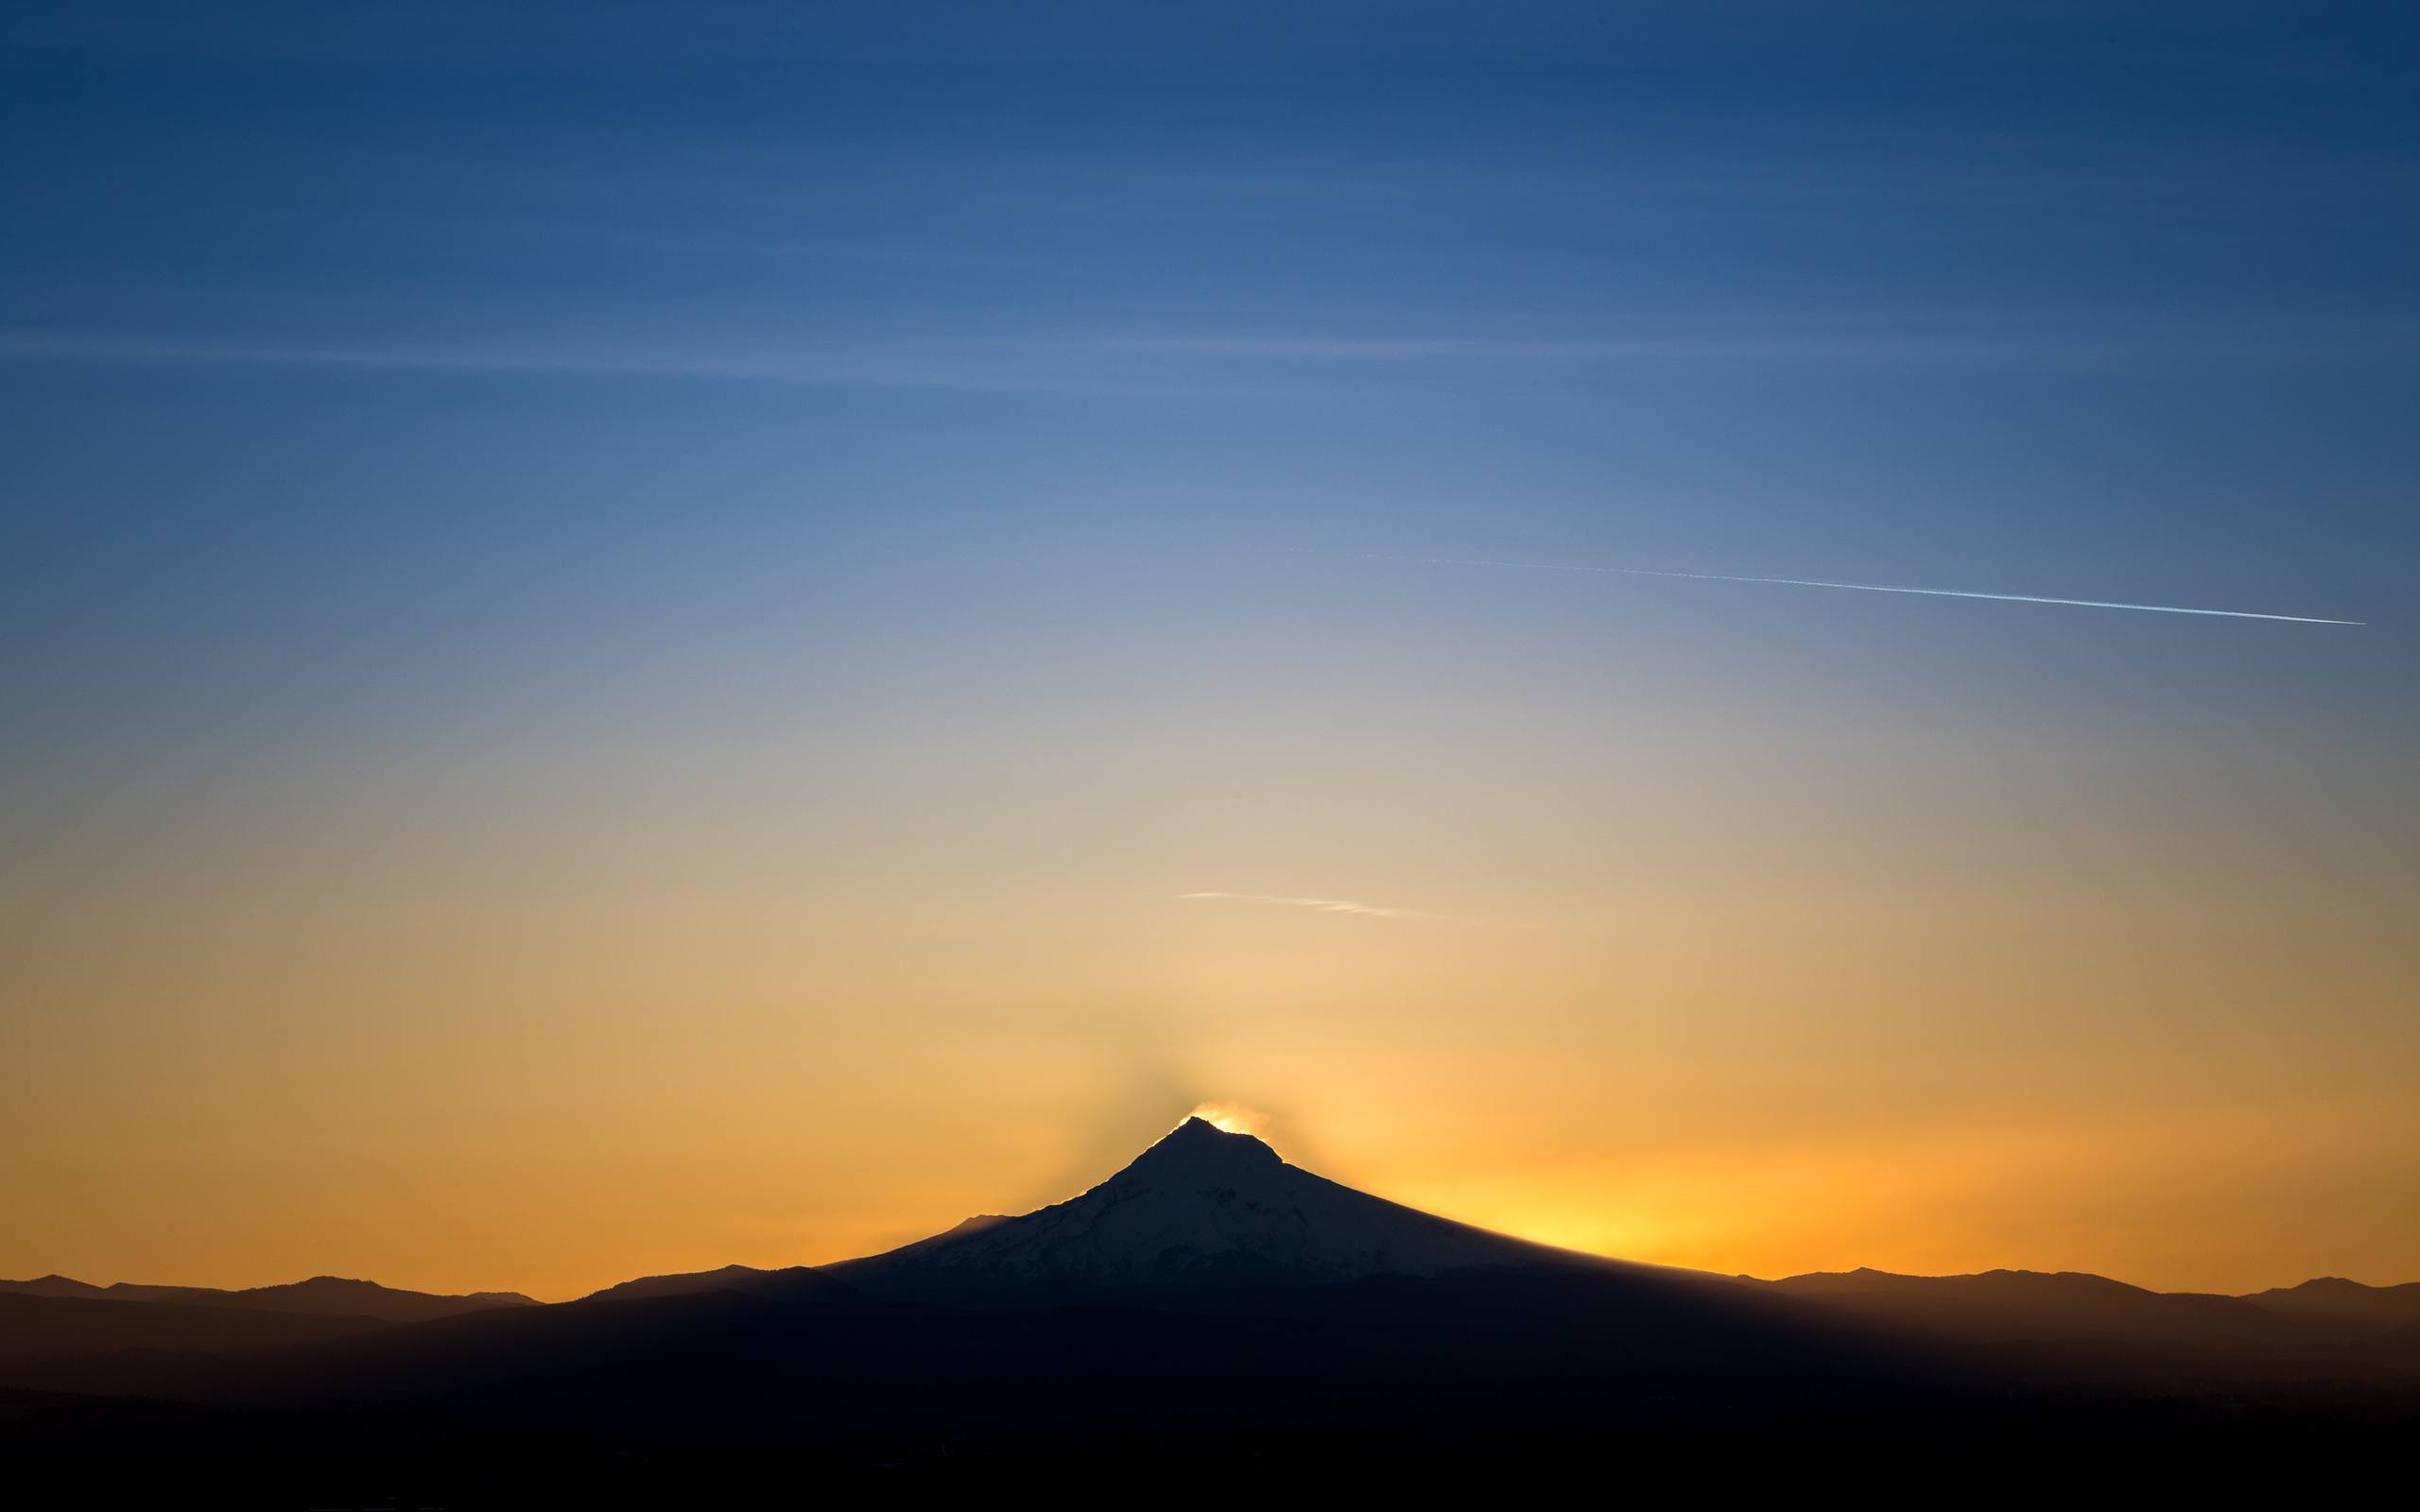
point(1208, 1303)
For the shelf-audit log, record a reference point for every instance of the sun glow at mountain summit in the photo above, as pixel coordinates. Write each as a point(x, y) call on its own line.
point(1230, 1118)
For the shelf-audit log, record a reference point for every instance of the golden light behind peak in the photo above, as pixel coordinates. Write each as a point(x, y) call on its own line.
point(1230, 1118)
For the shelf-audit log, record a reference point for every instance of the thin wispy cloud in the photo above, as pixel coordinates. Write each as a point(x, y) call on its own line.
point(1817, 338)
point(967, 368)
point(1618, 350)
point(1144, 362)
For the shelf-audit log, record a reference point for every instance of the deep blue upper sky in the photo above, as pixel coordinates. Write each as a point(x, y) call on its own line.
point(334, 339)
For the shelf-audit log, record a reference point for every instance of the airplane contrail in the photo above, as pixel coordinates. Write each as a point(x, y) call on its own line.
point(1862, 588)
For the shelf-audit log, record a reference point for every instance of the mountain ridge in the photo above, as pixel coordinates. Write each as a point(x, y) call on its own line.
point(324, 1295)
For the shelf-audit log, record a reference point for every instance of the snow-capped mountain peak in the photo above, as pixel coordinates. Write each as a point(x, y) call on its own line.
point(1199, 1150)
point(1203, 1204)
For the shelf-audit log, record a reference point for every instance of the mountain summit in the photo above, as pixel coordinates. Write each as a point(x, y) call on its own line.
point(1203, 1205)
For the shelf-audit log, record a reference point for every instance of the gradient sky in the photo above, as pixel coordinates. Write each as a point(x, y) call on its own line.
point(630, 632)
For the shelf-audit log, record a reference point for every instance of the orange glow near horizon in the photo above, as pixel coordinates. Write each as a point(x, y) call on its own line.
point(546, 1013)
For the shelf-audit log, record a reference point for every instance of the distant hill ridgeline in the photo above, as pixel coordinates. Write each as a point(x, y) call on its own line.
point(326, 1296)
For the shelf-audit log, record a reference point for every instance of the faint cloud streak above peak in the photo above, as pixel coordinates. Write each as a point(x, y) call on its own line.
point(1319, 905)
